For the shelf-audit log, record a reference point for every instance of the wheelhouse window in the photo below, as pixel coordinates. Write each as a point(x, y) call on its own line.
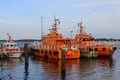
point(80, 39)
point(7, 45)
point(11, 45)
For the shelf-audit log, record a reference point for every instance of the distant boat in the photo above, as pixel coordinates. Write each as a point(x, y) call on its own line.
point(11, 49)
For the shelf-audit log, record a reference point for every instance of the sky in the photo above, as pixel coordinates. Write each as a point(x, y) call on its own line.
point(22, 18)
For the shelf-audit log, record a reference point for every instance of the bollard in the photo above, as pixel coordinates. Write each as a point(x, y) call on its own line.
point(111, 51)
point(1, 48)
point(26, 54)
point(26, 60)
point(63, 67)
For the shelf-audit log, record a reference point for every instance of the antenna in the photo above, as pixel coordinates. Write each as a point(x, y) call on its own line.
point(54, 26)
point(81, 27)
point(41, 26)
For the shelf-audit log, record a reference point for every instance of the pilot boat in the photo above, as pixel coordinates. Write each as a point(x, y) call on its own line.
point(10, 48)
point(52, 44)
point(89, 48)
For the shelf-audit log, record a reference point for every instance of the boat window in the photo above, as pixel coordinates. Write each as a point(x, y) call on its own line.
point(7, 49)
point(90, 49)
point(11, 45)
point(84, 39)
point(10, 49)
point(15, 45)
point(16, 49)
point(7, 45)
point(96, 49)
point(55, 52)
point(13, 49)
point(41, 51)
point(50, 52)
point(103, 49)
point(46, 51)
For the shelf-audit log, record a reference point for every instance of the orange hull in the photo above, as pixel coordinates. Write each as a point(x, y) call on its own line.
point(104, 50)
point(57, 54)
point(105, 53)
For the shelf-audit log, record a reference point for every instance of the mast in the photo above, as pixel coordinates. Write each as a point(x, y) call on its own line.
point(56, 22)
point(81, 27)
point(9, 38)
point(41, 27)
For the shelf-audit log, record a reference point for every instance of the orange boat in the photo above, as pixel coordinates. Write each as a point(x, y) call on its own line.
point(89, 48)
point(52, 44)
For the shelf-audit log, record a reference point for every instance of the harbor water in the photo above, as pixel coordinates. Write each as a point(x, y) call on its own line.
point(50, 69)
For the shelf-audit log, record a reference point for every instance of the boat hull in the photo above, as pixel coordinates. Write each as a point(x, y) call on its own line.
point(57, 54)
point(106, 51)
point(89, 54)
point(14, 54)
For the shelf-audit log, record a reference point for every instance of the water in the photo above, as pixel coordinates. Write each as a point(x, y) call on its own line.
point(79, 69)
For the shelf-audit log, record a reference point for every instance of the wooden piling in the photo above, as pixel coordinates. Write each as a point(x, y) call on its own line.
point(26, 54)
point(63, 67)
point(26, 60)
point(111, 52)
point(0, 50)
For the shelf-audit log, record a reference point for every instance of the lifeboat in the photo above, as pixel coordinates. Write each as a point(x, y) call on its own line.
point(89, 48)
point(11, 49)
point(52, 44)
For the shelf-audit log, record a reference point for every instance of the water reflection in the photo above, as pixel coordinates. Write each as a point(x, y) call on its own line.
point(26, 72)
point(9, 69)
point(107, 62)
point(77, 69)
point(42, 69)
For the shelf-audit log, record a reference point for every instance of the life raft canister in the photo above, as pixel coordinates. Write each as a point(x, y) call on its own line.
point(68, 53)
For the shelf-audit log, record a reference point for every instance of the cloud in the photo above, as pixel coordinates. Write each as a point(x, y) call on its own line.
point(96, 3)
point(104, 24)
point(14, 22)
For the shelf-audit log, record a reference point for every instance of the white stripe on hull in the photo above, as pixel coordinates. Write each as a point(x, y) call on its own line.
point(14, 55)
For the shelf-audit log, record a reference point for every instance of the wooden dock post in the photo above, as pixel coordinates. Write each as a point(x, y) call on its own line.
point(26, 60)
point(63, 67)
point(0, 50)
point(26, 54)
point(111, 51)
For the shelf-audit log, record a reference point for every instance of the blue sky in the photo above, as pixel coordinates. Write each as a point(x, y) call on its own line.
point(22, 18)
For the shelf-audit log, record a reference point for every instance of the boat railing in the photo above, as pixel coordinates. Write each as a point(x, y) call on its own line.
point(104, 43)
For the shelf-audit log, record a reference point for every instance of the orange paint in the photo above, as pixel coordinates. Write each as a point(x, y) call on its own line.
point(86, 42)
point(53, 43)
